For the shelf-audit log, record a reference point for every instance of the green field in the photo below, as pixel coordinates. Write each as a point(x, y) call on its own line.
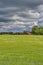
point(21, 50)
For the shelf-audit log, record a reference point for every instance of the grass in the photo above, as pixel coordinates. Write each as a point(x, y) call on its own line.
point(21, 50)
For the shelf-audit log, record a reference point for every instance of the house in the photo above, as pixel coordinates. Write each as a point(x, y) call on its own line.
point(27, 33)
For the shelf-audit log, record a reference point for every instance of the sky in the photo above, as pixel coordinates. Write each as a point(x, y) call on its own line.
point(20, 15)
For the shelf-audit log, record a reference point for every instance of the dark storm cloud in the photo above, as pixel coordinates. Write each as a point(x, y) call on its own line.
point(19, 14)
point(28, 3)
point(6, 20)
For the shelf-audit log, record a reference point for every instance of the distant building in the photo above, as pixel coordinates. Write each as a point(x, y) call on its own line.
point(27, 33)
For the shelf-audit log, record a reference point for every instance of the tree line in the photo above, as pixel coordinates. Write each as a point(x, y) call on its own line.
point(16, 33)
point(35, 30)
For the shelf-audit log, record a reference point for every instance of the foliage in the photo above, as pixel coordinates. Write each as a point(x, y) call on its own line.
point(37, 30)
point(41, 30)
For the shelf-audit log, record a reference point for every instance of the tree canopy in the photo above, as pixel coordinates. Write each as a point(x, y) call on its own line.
point(37, 30)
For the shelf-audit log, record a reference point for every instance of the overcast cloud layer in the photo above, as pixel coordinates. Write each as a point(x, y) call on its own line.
point(20, 15)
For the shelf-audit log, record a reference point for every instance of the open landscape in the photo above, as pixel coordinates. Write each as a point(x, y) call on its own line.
point(21, 32)
point(21, 50)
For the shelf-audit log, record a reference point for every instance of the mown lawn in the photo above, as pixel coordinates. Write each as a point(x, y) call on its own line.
point(21, 50)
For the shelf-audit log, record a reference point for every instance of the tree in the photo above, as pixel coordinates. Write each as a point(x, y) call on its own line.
point(35, 30)
point(41, 30)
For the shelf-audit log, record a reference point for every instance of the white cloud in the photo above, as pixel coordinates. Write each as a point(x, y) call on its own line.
point(33, 14)
point(22, 18)
point(8, 8)
point(21, 22)
point(11, 25)
point(17, 22)
point(16, 17)
point(40, 8)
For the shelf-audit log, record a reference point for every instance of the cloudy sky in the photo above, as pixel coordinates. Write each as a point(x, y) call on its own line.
point(20, 15)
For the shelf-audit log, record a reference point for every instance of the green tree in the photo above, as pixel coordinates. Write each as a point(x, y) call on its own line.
point(35, 30)
point(41, 30)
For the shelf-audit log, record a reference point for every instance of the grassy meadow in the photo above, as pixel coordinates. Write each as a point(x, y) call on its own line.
point(21, 50)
